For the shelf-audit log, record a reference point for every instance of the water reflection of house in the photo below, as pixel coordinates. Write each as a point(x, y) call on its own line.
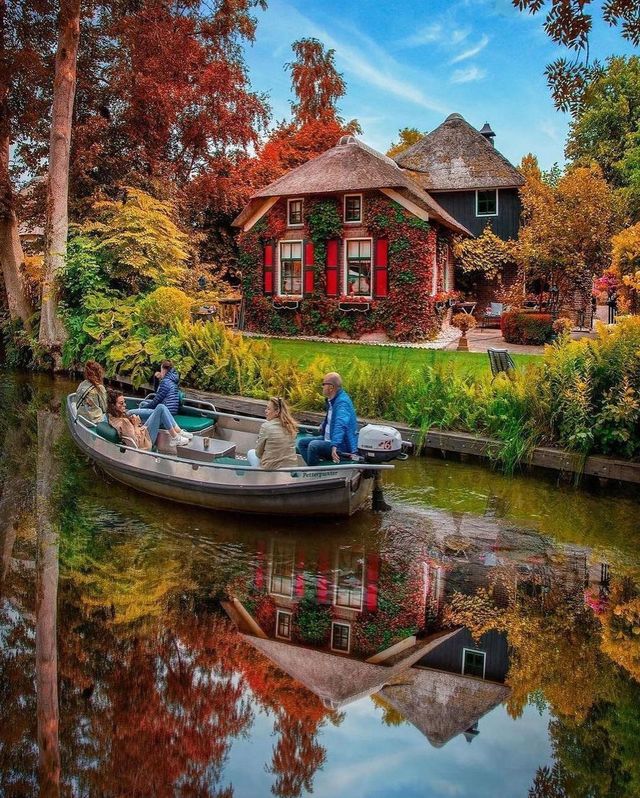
point(442, 683)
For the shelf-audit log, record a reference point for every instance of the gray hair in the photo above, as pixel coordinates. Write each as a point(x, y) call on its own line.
point(334, 378)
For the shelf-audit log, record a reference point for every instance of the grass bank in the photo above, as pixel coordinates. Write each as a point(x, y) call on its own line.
point(473, 364)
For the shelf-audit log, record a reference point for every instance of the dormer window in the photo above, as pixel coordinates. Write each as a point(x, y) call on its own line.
point(294, 213)
point(353, 208)
point(487, 202)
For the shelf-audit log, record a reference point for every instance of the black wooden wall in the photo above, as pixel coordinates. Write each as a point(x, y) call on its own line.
point(448, 655)
point(462, 206)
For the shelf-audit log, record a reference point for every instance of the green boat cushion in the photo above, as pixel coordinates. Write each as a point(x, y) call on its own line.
point(193, 423)
point(229, 461)
point(109, 433)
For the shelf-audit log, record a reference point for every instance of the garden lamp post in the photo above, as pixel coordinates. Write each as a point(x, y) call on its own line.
point(554, 291)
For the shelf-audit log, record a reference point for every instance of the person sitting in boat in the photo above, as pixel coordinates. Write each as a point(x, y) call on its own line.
point(276, 445)
point(339, 430)
point(167, 394)
point(91, 396)
point(138, 432)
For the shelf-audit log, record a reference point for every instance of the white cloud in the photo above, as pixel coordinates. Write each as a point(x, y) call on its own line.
point(459, 35)
point(484, 41)
point(428, 34)
point(550, 130)
point(467, 75)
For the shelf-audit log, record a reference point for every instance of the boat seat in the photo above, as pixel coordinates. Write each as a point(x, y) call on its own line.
point(109, 433)
point(194, 423)
point(189, 419)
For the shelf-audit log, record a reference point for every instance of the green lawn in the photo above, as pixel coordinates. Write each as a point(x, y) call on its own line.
point(341, 355)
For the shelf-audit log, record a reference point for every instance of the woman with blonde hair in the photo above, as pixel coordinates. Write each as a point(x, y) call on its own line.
point(276, 444)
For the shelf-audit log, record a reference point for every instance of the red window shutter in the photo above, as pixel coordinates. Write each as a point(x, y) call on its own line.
point(268, 271)
point(372, 577)
point(308, 268)
point(299, 586)
point(332, 267)
point(381, 268)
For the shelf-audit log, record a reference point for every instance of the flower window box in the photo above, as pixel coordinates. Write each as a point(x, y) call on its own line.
point(286, 302)
point(350, 304)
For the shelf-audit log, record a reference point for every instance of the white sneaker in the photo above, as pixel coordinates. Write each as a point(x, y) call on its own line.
point(185, 434)
point(179, 440)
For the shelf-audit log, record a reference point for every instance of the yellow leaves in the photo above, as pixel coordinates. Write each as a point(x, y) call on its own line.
point(487, 253)
point(140, 238)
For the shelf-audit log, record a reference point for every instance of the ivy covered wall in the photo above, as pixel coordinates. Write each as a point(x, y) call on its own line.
point(407, 311)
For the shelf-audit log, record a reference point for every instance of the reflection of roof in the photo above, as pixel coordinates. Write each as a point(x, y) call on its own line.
point(456, 156)
point(335, 679)
point(349, 166)
point(442, 705)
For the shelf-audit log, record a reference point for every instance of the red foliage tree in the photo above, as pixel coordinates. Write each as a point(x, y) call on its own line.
point(316, 125)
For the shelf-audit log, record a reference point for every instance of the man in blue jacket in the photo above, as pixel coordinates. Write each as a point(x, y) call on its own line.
point(339, 430)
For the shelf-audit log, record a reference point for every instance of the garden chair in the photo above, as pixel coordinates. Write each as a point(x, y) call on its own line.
point(500, 360)
point(492, 315)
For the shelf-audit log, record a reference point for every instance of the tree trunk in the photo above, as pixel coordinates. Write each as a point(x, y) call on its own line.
point(49, 427)
point(11, 256)
point(13, 503)
point(52, 333)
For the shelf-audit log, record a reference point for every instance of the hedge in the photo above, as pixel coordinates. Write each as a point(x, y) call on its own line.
point(519, 327)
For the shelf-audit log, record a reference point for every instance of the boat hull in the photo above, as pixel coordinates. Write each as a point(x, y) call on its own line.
point(307, 492)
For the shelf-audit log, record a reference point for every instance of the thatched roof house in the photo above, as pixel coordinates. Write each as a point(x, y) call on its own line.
point(457, 157)
point(350, 166)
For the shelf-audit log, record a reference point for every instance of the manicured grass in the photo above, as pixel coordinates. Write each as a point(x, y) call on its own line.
point(341, 355)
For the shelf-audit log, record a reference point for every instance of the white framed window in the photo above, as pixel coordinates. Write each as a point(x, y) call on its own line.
point(349, 586)
point(295, 216)
point(473, 662)
point(283, 624)
point(487, 202)
point(357, 271)
point(282, 568)
point(290, 268)
point(341, 637)
point(352, 208)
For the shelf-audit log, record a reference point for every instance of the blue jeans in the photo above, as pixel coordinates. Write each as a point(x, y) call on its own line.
point(154, 419)
point(314, 448)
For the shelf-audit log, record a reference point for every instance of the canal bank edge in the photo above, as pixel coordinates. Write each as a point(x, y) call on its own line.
point(437, 441)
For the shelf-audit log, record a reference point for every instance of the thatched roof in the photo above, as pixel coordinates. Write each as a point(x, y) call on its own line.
point(349, 166)
point(338, 680)
point(442, 705)
point(455, 156)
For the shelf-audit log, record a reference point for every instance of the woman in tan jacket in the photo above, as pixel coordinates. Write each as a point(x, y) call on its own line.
point(136, 432)
point(276, 445)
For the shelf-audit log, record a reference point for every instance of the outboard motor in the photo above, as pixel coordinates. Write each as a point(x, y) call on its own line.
point(379, 444)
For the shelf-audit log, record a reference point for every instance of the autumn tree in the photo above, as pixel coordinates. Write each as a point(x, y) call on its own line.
point(569, 24)
point(25, 39)
point(565, 234)
point(407, 137)
point(52, 333)
point(316, 124)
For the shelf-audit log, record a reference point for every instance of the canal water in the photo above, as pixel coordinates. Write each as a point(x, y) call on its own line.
point(480, 639)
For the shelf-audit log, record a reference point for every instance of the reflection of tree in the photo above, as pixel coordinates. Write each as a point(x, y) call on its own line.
point(390, 715)
point(621, 626)
point(600, 755)
point(553, 641)
point(49, 427)
point(299, 716)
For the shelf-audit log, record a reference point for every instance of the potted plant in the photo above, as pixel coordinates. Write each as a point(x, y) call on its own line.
point(463, 322)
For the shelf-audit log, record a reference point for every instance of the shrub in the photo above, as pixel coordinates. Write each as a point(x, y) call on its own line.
point(311, 621)
point(464, 322)
point(519, 327)
point(562, 326)
point(164, 306)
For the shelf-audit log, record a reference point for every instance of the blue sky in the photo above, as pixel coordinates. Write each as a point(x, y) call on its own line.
point(410, 64)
